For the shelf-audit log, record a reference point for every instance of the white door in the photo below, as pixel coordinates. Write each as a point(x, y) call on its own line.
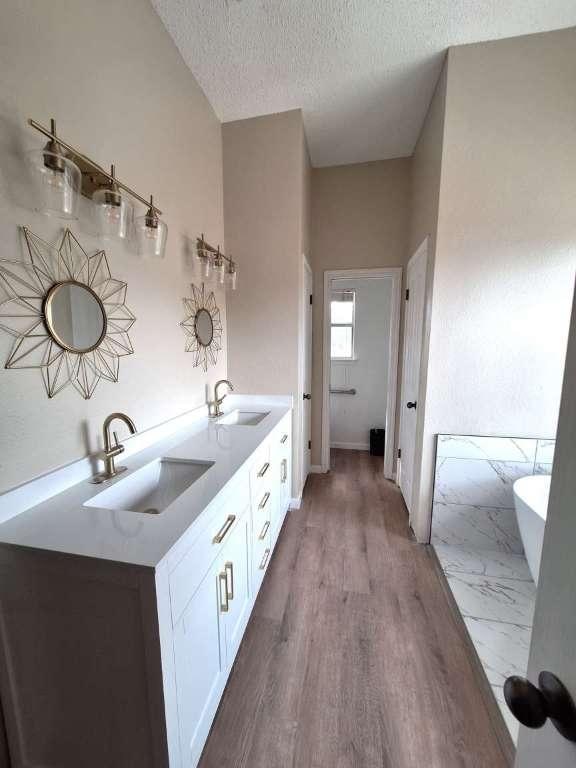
point(306, 374)
point(413, 329)
point(553, 647)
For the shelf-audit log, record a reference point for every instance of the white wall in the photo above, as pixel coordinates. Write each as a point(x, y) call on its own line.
point(110, 74)
point(506, 243)
point(352, 416)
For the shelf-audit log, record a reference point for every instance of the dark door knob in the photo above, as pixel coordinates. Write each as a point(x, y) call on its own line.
point(532, 706)
point(411, 404)
point(307, 397)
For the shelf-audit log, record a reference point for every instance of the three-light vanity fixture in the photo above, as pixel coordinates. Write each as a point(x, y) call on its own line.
point(212, 260)
point(61, 174)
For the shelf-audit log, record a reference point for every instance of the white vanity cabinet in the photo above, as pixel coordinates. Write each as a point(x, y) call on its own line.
point(123, 665)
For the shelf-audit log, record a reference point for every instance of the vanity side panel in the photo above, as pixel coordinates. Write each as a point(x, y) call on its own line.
point(166, 638)
point(80, 673)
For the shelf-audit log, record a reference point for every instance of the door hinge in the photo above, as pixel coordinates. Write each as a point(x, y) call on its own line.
point(309, 444)
point(407, 293)
point(399, 453)
point(310, 298)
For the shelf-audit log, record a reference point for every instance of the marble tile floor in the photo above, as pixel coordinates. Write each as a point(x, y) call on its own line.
point(496, 595)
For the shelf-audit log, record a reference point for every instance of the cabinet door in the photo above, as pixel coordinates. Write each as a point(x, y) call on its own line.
point(197, 657)
point(234, 585)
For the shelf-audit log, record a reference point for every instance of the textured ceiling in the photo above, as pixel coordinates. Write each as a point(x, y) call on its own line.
point(362, 71)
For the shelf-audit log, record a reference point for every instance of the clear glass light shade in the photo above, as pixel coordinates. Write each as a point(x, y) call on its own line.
point(220, 270)
point(112, 213)
point(57, 183)
point(151, 235)
point(206, 268)
point(231, 277)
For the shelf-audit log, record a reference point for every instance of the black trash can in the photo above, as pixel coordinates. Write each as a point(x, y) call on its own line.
point(377, 442)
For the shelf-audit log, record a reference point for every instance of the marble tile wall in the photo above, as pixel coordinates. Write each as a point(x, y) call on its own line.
point(476, 538)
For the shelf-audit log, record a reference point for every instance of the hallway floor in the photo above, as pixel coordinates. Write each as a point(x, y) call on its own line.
point(353, 656)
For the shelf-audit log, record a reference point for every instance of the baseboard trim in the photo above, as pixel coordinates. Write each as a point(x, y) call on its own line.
point(317, 469)
point(296, 503)
point(351, 446)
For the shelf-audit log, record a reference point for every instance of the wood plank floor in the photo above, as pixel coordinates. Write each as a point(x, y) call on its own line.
point(352, 657)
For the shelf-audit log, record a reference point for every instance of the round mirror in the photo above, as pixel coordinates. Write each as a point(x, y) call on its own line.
point(204, 327)
point(75, 316)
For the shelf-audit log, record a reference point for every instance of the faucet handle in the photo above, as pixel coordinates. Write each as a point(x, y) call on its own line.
point(118, 448)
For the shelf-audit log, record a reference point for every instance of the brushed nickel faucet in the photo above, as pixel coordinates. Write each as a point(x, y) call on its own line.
point(214, 409)
point(112, 450)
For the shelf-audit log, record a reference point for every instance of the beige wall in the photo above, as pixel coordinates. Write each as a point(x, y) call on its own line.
point(360, 216)
point(112, 77)
point(506, 243)
point(265, 191)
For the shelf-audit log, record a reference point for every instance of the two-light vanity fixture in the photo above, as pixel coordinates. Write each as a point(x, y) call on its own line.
point(61, 174)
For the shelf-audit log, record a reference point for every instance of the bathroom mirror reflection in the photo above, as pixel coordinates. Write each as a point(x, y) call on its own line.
point(75, 316)
point(204, 327)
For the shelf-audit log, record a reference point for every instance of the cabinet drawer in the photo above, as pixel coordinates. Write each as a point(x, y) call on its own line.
point(190, 571)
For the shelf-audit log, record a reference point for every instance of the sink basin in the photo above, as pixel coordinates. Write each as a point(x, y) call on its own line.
point(152, 488)
point(243, 418)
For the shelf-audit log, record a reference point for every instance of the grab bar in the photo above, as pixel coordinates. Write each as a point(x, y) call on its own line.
point(351, 391)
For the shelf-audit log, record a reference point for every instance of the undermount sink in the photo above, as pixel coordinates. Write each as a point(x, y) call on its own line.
point(152, 488)
point(243, 418)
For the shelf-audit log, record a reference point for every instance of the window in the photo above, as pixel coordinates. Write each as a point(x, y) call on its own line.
point(342, 306)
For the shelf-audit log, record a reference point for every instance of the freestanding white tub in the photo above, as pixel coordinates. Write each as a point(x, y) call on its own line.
point(531, 502)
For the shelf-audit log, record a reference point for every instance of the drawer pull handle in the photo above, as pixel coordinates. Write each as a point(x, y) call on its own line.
point(284, 471)
point(264, 530)
point(219, 538)
point(264, 469)
point(264, 500)
point(223, 579)
point(284, 438)
point(229, 569)
point(264, 559)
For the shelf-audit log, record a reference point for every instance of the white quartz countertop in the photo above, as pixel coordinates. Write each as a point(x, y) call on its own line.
point(64, 524)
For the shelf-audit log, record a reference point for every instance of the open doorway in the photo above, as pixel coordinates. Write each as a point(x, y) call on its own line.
point(361, 327)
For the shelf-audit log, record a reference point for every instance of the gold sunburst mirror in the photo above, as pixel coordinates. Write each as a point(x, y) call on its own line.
point(67, 314)
point(202, 326)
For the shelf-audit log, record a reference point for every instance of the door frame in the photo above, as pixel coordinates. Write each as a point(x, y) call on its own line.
point(395, 275)
point(299, 421)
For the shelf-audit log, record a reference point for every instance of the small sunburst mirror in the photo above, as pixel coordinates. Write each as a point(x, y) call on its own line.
point(67, 313)
point(202, 327)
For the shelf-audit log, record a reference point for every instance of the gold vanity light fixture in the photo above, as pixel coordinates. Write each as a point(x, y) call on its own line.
point(212, 259)
point(62, 172)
